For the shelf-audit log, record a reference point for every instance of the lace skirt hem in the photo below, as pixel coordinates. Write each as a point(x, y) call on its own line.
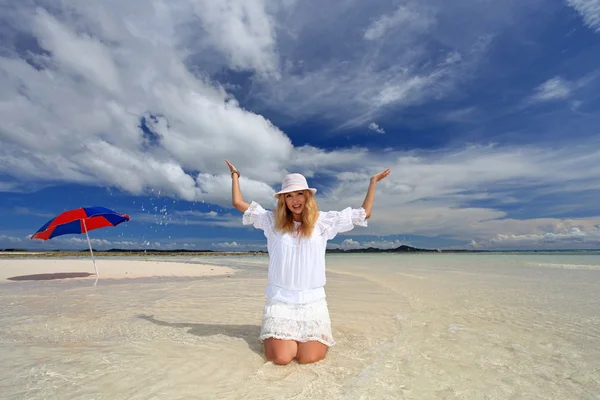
point(299, 322)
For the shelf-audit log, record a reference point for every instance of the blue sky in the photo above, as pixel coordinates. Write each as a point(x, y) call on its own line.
point(486, 112)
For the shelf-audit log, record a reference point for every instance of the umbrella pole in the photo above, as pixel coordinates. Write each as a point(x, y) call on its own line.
point(90, 244)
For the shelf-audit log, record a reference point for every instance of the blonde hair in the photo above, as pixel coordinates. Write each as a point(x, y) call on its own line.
point(284, 220)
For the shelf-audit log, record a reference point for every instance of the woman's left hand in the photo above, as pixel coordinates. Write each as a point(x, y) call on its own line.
point(381, 175)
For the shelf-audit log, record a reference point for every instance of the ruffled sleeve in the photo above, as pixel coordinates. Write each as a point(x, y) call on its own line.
point(334, 222)
point(258, 217)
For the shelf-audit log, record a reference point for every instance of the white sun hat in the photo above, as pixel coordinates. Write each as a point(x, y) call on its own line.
point(294, 183)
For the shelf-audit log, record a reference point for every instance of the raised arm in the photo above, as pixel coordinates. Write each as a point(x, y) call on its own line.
point(236, 194)
point(370, 197)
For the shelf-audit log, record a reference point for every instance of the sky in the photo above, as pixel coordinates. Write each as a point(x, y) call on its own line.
point(485, 111)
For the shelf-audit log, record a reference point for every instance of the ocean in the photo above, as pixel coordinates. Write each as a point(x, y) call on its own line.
point(407, 326)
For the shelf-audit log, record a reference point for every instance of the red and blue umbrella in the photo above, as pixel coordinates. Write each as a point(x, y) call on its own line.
point(78, 221)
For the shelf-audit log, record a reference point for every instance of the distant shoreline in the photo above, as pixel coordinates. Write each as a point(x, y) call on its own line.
point(128, 253)
point(22, 253)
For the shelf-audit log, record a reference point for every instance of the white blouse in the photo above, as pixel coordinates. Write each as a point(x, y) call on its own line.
point(297, 265)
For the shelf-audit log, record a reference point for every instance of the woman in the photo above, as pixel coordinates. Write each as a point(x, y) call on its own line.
point(296, 322)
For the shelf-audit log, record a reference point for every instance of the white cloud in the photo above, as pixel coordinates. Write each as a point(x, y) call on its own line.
point(374, 127)
point(553, 89)
point(66, 242)
point(310, 160)
point(79, 243)
point(98, 243)
point(589, 10)
point(243, 31)
point(404, 17)
point(352, 93)
point(573, 238)
point(411, 54)
point(238, 246)
point(428, 193)
point(433, 193)
point(105, 68)
point(227, 245)
point(102, 71)
point(10, 241)
point(351, 244)
point(348, 244)
point(533, 234)
point(218, 188)
point(81, 55)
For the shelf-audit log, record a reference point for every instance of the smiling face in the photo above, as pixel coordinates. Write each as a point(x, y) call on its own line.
point(295, 202)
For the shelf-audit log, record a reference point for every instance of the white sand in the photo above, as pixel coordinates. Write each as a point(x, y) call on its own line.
point(108, 268)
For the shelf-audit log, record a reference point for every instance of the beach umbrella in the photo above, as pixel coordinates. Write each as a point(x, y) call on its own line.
point(78, 221)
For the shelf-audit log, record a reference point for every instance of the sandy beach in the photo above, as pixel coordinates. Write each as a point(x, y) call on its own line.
point(50, 269)
point(407, 327)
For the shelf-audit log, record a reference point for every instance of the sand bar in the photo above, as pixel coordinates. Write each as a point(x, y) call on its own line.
point(14, 270)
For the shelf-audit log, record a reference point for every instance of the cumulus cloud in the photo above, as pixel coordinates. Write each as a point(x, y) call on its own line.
point(573, 238)
point(239, 246)
point(139, 97)
point(589, 10)
point(430, 193)
point(121, 96)
point(93, 61)
point(532, 234)
point(227, 245)
point(243, 32)
point(351, 244)
point(77, 243)
point(117, 105)
point(309, 160)
point(10, 241)
point(348, 244)
point(102, 243)
point(376, 128)
point(218, 187)
point(66, 242)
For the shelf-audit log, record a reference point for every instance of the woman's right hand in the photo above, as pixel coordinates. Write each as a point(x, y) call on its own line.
point(236, 195)
point(231, 167)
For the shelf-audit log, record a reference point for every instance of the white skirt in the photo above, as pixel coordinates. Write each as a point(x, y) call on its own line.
point(299, 322)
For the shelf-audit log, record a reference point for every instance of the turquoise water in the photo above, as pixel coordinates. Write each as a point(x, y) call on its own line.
point(496, 326)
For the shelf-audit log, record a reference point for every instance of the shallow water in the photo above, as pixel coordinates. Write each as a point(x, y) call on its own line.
point(407, 327)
